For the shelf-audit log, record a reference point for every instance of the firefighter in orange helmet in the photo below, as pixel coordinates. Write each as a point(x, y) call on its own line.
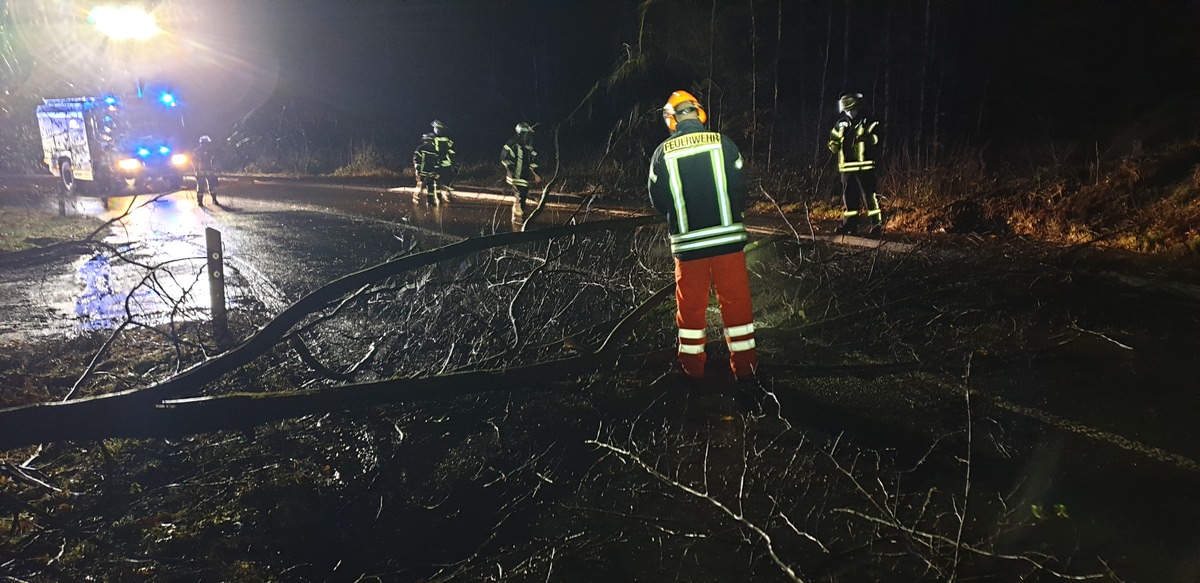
point(696, 181)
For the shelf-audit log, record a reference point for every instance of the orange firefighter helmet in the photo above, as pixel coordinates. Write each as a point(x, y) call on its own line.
point(682, 102)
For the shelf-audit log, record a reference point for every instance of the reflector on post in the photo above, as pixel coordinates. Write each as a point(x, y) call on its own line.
point(216, 284)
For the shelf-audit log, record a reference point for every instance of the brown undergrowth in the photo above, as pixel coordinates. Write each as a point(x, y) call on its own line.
point(1146, 202)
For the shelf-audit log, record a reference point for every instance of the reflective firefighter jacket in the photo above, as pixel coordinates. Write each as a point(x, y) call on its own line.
point(519, 161)
point(426, 160)
point(855, 141)
point(696, 181)
point(445, 151)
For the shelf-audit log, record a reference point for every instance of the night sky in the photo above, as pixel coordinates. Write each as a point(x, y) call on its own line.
point(987, 70)
point(980, 72)
point(386, 69)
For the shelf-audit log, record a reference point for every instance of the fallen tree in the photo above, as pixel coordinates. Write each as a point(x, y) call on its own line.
point(161, 410)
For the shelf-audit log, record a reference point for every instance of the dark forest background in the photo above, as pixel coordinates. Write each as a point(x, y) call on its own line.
point(306, 85)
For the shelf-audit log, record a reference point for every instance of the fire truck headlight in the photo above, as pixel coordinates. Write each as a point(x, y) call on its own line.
point(179, 159)
point(129, 164)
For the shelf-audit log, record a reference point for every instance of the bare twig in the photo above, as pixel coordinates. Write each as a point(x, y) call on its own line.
point(738, 517)
point(929, 538)
point(297, 343)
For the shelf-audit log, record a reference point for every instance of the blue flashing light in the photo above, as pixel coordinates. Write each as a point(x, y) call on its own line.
point(110, 100)
point(143, 152)
point(164, 150)
point(168, 99)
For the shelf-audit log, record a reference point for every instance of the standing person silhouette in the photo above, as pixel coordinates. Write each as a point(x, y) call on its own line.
point(519, 160)
point(855, 139)
point(696, 182)
point(204, 164)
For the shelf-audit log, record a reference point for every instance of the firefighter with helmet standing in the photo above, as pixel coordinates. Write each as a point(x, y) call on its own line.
point(204, 164)
point(426, 164)
point(855, 140)
point(519, 160)
point(444, 147)
point(696, 181)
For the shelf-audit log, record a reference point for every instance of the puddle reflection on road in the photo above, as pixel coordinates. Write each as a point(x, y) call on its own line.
point(168, 234)
point(101, 291)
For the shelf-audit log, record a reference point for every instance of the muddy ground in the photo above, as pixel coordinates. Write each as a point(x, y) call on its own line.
point(970, 409)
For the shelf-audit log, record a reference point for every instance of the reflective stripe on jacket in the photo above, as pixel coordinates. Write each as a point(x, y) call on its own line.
point(696, 181)
point(425, 160)
point(519, 161)
point(445, 150)
point(853, 140)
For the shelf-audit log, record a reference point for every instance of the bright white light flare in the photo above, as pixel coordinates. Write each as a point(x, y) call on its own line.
point(123, 22)
point(179, 159)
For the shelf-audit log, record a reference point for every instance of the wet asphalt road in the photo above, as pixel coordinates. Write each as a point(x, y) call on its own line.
point(282, 239)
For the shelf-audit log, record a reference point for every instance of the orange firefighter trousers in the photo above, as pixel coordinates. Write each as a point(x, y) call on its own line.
point(693, 283)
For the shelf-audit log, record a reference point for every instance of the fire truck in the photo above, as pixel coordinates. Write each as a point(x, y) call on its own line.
point(107, 143)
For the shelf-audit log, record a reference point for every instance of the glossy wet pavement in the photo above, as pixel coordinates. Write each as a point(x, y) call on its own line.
point(281, 238)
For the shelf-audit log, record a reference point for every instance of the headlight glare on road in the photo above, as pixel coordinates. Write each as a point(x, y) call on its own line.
point(129, 164)
point(179, 159)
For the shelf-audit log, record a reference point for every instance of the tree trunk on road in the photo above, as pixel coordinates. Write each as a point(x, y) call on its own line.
point(137, 412)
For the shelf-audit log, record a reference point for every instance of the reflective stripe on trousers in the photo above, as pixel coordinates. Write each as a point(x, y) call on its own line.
point(694, 281)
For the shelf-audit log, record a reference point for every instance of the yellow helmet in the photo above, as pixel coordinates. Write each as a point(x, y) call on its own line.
point(682, 102)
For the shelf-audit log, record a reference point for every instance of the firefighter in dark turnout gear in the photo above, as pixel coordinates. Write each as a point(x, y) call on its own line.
point(204, 163)
point(696, 181)
point(520, 164)
point(855, 140)
point(444, 147)
point(426, 165)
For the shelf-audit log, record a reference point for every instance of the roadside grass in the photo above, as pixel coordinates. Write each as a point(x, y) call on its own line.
point(478, 173)
point(26, 229)
point(602, 177)
point(290, 165)
point(1147, 202)
point(365, 159)
point(31, 373)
